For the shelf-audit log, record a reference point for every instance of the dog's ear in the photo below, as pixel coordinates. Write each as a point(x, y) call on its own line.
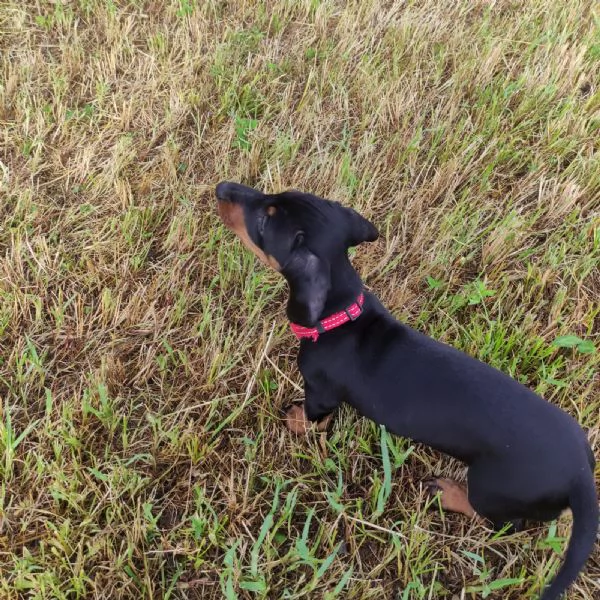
point(359, 229)
point(309, 278)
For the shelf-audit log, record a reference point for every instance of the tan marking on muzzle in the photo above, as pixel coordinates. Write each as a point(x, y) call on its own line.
point(232, 216)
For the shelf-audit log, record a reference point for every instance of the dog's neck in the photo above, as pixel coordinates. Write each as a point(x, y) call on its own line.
point(346, 285)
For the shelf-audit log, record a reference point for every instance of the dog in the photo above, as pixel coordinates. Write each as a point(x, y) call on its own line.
point(527, 459)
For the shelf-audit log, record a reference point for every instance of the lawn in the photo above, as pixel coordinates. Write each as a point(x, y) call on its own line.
point(145, 355)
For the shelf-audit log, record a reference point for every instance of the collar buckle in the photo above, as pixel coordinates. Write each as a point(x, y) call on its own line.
point(350, 315)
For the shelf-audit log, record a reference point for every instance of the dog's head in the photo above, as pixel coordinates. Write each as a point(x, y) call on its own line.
point(300, 235)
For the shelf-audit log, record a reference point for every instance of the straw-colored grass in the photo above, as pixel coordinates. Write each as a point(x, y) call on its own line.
point(144, 355)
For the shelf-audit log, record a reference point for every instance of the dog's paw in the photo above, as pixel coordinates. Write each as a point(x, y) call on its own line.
point(295, 419)
point(431, 486)
point(453, 495)
point(432, 489)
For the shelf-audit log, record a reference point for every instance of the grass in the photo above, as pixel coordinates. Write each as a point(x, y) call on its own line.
point(144, 355)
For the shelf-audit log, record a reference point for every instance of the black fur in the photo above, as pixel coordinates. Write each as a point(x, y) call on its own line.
point(527, 458)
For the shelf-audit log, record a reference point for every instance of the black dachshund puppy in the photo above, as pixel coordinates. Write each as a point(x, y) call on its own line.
point(527, 458)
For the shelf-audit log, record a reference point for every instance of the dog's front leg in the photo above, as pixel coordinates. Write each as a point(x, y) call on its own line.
point(315, 413)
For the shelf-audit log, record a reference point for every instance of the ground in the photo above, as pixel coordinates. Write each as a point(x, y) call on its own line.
point(145, 355)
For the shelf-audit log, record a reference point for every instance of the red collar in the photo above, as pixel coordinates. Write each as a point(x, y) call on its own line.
point(348, 314)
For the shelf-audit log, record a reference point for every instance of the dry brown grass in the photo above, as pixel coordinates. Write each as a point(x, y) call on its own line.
point(144, 356)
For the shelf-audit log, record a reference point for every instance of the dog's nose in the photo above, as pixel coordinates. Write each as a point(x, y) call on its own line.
point(235, 192)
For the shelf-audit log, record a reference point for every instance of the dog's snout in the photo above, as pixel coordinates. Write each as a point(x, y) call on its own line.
point(235, 192)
